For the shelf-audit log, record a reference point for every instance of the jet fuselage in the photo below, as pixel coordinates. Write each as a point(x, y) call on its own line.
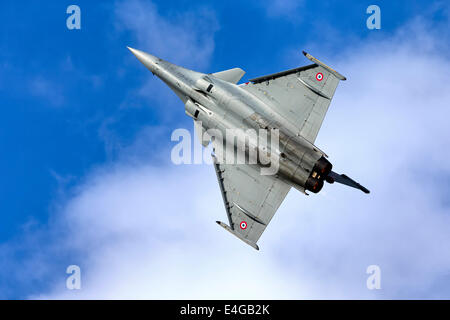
point(224, 106)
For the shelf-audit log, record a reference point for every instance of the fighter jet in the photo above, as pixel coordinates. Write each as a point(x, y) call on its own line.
point(290, 105)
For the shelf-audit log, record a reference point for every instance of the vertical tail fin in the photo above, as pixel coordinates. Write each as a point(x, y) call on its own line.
point(342, 178)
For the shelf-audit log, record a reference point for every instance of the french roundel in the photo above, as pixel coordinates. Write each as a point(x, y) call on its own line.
point(319, 76)
point(243, 225)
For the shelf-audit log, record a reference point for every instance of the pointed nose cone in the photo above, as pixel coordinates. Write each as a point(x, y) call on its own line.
point(179, 79)
point(147, 59)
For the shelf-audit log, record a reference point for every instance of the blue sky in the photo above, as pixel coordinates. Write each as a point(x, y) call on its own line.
point(79, 110)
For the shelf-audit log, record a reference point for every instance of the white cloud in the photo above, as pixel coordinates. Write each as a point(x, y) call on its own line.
point(151, 233)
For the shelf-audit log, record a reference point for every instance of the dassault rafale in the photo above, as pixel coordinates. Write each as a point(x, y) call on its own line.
point(290, 105)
